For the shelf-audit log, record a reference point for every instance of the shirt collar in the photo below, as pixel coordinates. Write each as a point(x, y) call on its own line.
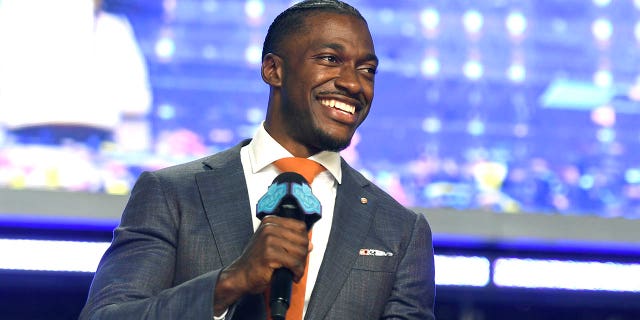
point(264, 150)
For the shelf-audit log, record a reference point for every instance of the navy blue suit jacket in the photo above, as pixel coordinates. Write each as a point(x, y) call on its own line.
point(185, 223)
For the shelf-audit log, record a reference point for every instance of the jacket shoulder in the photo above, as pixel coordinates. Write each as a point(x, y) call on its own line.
point(228, 157)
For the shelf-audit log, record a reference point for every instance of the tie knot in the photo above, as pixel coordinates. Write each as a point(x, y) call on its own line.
point(309, 169)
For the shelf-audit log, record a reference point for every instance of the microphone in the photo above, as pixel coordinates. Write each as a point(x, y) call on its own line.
point(288, 196)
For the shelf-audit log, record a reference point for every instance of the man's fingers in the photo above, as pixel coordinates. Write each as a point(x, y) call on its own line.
point(289, 229)
point(281, 243)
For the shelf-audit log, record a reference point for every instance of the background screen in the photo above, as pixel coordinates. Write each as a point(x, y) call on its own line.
point(513, 106)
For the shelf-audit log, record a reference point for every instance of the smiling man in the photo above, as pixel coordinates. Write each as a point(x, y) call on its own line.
point(189, 245)
point(321, 83)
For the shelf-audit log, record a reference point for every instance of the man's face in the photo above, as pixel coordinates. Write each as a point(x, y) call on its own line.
point(326, 92)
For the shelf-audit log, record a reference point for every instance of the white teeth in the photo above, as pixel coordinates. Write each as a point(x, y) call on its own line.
point(339, 105)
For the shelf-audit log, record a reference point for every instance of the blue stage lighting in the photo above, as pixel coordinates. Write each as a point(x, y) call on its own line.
point(473, 21)
point(516, 23)
point(462, 270)
point(48, 255)
point(571, 275)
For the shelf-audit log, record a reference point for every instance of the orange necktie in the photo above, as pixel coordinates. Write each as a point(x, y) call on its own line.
point(309, 169)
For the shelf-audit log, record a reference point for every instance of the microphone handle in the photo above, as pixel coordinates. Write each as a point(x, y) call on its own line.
point(280, 293)
point(282, 279)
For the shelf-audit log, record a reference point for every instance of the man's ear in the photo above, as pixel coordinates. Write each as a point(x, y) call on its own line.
point(272, 70)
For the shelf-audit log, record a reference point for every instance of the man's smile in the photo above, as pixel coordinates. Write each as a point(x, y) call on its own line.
point(338, 105)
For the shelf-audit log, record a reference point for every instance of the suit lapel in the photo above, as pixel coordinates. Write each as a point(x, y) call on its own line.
point(225, 198)
point(351, 222)
point(224, 194)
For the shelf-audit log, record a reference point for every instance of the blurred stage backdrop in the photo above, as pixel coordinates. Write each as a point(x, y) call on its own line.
point(517, 106)
point(500, 116)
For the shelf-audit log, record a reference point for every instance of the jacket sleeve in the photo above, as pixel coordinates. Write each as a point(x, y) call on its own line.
point(413, 292)
point(135, 277)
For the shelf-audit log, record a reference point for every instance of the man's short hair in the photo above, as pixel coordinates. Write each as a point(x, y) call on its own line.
point(292, 20)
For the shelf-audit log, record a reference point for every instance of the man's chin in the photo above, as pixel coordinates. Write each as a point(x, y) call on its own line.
point(329, 143)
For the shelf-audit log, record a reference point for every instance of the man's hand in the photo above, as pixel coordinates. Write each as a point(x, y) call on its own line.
point(277, 243)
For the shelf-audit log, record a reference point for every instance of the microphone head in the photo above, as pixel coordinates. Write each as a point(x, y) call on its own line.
point(290, 196)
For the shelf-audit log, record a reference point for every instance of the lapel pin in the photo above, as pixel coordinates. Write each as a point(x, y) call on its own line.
point(375, 252)
point(363, 200)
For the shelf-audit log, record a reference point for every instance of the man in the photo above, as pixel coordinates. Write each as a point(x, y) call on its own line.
point(189, 245)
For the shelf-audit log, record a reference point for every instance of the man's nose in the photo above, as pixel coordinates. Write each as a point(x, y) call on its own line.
point(349, 80)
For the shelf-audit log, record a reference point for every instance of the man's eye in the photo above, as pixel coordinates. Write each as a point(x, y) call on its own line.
point(331, 59)
point(371, 70)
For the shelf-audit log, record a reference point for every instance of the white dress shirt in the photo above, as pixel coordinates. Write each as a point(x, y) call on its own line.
point(257, 162)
